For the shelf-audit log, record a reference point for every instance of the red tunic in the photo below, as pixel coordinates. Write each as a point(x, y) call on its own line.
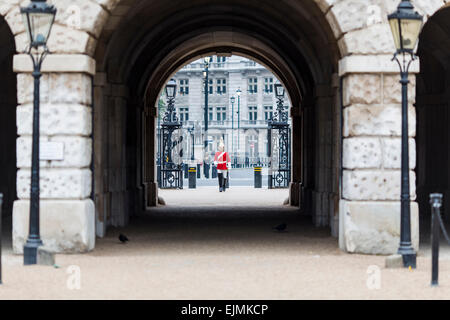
point(222, 158)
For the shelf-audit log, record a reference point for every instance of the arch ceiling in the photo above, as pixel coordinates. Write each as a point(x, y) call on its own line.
point(155, 38)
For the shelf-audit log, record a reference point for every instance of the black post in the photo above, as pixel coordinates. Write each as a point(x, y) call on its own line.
point(34, 240)
point(258, 177)
point(405, 249)
point(198, 171)
point(1, 204)
point(206, 104)
point(192, 178)
point(186, 170)
point(436, 203)
point(192, 151)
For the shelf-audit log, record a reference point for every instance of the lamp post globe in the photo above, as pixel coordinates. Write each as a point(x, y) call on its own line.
point(405, 25)
point(279, 90)
point(171, 89)
point(38, 18)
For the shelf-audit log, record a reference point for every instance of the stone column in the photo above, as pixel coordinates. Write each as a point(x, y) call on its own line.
point(370, 204)
point(67, 213)
point(150, 180)
point(100, 133)
point(296, 157)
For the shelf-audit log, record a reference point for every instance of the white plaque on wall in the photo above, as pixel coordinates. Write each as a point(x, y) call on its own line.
point(51, 151)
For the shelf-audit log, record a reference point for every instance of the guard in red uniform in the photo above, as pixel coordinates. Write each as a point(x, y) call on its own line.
point(223, 163)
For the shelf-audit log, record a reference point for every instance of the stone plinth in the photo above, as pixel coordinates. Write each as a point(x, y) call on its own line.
point(374, 227)
point(66, 226)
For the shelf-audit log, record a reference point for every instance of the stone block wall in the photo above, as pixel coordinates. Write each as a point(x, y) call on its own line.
point(66, 208)
point(368, 200)
point(370, 206)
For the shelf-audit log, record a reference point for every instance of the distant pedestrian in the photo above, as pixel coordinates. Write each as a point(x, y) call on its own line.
point(223, 163)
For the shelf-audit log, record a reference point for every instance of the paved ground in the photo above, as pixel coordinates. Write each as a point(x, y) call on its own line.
point(218, 252)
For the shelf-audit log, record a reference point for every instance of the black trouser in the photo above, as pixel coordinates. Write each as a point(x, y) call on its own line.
point(222, 180)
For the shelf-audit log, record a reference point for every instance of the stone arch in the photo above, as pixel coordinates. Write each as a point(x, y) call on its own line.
point(8, 103)
point(432, 105)
point(149, 40)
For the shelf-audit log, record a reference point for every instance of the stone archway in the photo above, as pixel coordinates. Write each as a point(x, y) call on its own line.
point(432, 105)
point(8, 136)
point(345, 45)
point(135, 60)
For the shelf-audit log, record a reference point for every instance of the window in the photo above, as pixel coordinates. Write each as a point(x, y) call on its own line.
point(253, 114)
point(210, 114)
point(221, 113)
point(184, 114)
point(268, 113)
point(210, 86)
point(221, 59)
point(268, 85)
point(184, 86)
point(221, 86)
point(252, 85)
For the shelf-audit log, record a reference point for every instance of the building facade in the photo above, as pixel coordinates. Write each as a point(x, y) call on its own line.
point(241, 102)
point(111, 58)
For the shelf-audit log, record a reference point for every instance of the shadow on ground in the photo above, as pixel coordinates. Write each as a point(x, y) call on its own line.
point(212, 230)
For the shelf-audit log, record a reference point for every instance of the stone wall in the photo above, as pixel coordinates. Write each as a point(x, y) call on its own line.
point(369, 207)
point(67, 211)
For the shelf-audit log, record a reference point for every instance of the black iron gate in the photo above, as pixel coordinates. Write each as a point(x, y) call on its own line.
point(279, 145)
point(171, 147)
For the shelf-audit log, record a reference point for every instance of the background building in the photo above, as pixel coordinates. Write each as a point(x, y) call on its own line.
point(249, 113)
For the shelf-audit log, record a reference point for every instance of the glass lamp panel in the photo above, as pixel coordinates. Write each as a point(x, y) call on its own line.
point(395, 29)
point(27, 26)
point(170, 91)
point(279, 90)
point(410, 32)
point(40, 26)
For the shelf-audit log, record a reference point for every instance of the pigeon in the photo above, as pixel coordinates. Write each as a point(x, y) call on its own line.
point(280, 227)
point(123, 238)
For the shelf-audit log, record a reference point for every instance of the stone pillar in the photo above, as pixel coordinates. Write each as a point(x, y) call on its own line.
point(150, 181)
point(100, 132)
point(323, 155)
point(296, 158)
point(370, 204)
point(67, 213)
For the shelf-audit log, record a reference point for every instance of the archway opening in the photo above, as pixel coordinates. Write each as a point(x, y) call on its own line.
point(8, 104)
point(138, 54)
point(433, 116)
point(241, 99)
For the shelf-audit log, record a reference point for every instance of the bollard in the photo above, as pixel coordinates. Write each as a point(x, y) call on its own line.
point(198, 171)
point(192, 178)
point(206, 168)
point(186, 170)
point(436, 203)
point(158, 175)
point(258, 177)
point(1, 204)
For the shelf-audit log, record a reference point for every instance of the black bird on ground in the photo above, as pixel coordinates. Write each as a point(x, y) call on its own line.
point(280, 227)
point(123, 238)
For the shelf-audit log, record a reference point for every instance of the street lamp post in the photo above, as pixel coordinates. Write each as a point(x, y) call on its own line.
point(191, 131)
point(233, 100)
point(206, 74)
point(38, 18)
point(238, 92)
point(405, 25)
